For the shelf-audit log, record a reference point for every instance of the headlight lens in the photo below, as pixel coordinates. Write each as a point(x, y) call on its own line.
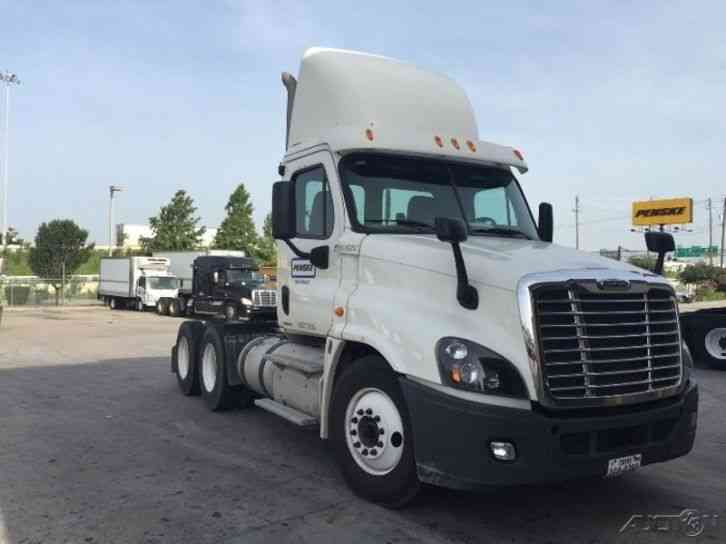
point(469, 366)
point(246, 301)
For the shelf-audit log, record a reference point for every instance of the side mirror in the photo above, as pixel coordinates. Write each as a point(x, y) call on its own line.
point(544, 224)
point(319, 257)
point(283, 211)
point(660, 243)
point(450, 230)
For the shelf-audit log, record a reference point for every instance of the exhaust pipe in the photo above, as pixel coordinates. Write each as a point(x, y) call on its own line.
point(290, 83)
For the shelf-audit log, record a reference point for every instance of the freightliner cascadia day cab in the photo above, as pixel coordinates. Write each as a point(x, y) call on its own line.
point(135, 282)
point(426, 325)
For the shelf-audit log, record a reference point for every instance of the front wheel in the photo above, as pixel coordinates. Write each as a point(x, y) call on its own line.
point(371, 434)
point(139, 305)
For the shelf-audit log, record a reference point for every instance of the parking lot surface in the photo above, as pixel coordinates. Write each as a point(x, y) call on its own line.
point(97, 445)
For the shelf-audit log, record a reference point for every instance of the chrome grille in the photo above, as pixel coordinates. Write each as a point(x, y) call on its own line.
point(264, 297)
point(596, 345)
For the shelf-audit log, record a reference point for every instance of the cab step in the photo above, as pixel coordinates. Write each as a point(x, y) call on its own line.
point(297, 417)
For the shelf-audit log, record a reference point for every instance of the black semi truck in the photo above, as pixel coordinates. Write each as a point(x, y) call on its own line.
point(228, 287)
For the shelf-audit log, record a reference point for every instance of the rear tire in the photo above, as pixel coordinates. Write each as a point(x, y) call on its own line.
point(367, 401)
point(187, 357)
point(112, 304)
point(216, 392)
point(162, 307)
point(173, 307)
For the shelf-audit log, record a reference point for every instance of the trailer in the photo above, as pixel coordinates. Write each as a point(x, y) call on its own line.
point(135, 282)
point(426, 324)
point(181, 264)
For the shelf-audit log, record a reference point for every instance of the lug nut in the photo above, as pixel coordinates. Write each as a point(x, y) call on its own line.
point(359, 412)
point(373, 452)
point(381, 431)
point(377, 419)
point(369, 411)
point(353, 432)
point(379, 444)
point(356, 445)
point(354, 420)
point(365, 452)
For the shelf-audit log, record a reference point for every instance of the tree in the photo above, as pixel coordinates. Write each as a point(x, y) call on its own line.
point(237, 231)
point(59, 242)
point(647, 263)
point(13, 237)
point(701, 273)
point(267, 248)
point(176, 228)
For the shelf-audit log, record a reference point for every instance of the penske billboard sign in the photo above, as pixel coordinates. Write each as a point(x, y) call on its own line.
point(670, 211)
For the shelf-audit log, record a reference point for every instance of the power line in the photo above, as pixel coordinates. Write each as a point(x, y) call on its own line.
point(577, 221)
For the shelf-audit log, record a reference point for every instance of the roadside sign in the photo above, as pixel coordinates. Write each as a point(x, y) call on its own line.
point(669, 211)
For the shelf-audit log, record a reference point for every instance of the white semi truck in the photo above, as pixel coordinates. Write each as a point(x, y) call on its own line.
point(135, 282)
point(427, 325)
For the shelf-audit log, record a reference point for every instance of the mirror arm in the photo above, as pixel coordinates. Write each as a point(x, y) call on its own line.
point(659, 263)
point(296, 250)
point(466, 294)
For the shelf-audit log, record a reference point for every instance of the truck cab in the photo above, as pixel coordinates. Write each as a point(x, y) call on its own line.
point(427, 323)
point(231, 287)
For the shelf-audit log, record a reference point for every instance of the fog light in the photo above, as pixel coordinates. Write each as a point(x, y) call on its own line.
point(503, 451)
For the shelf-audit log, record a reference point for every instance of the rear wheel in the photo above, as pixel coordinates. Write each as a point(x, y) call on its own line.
point(371, 434)
point(216, 392)
point(113, 304)
point(173, 308)
point(162, 307)
point(187, 349)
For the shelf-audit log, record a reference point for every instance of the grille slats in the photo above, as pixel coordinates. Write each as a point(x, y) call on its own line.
point(264, 297)
point(599, 345)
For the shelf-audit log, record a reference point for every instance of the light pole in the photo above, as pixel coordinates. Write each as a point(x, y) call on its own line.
point(8, 79)
point(111, 190)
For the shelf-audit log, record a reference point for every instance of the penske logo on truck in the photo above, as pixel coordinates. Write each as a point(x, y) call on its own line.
point(672, 211)
point(302, 268)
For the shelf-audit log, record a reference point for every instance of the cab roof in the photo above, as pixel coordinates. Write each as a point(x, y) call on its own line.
point(358, 101)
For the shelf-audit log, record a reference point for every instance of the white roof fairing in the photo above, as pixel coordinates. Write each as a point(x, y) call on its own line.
point(342, 93)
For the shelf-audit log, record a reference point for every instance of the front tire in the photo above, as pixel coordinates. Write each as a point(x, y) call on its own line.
point(371, 434)
point(139, 305)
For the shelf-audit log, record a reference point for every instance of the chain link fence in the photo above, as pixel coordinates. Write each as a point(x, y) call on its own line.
point(34, 291)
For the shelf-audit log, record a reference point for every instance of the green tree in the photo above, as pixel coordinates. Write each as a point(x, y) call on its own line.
point(701, 273)
point(237, 231)
point(176, 228)
point(267, 248)
point(59, 242)
point(647, 263)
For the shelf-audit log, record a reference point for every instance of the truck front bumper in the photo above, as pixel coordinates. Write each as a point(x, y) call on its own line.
point(452, 438)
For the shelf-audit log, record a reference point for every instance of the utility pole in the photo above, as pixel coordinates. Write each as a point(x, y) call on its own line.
point(111, 190)
point(577, 221)
point(723, 228)
point(9, 79)
point(710, 230)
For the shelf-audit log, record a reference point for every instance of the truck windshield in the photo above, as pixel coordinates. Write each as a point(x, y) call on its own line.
point(404, 195)
point(162, 283)
point(241, 276)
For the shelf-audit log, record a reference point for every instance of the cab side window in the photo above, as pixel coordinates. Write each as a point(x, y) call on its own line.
point(313, 204)
point(142, 282)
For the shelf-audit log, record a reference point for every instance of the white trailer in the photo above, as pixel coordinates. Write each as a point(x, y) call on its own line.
point(135, 282)
point(425, 322)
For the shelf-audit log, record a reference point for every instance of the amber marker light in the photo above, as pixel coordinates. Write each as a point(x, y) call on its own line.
point(471, 146)
point(439, 141)
point(369, 134)
point(339, 311)
point(519, 155)
point(455, 143)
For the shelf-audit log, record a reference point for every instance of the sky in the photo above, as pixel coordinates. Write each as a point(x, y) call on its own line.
point(611, 101)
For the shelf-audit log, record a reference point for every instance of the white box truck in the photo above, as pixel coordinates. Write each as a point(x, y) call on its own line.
point(181, 264)
point(135, 282)
point(425, 322)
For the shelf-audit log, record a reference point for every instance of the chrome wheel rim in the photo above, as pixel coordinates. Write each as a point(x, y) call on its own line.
point(374, 431)
point(209, 367)
point(182, 357)
point(159, 309)
point(716, 343)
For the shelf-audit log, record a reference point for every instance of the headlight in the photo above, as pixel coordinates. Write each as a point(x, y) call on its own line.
point(469, 366)
point(246, 301)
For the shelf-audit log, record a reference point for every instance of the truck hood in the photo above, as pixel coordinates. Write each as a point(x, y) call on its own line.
point(493, 261)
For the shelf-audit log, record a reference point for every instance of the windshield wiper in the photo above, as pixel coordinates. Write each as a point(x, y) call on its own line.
point(499, 230)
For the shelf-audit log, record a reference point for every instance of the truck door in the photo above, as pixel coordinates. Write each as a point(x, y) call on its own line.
point(310, 291)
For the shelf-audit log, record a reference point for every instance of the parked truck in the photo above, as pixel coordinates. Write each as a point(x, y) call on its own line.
point(181, 264)
point(427, 325)
point(135, 282)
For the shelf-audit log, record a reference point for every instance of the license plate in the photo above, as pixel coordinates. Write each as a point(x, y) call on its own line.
point(619, 465)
